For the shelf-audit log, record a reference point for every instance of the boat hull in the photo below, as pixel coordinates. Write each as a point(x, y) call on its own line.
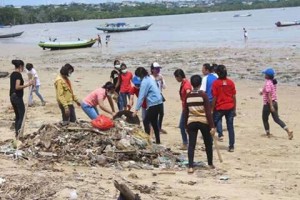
point(12, 35)
point(284, 24)
point(66, 45)
point(123, 29)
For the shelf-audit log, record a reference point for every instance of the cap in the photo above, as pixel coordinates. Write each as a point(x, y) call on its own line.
point(155, 64)
point(269, 72)
point(136, 80)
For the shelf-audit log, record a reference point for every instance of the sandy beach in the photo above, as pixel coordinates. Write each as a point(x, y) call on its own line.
point(260, 168)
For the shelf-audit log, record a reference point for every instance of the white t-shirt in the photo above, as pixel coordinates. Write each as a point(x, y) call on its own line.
point(160, 81)
point(33, 73)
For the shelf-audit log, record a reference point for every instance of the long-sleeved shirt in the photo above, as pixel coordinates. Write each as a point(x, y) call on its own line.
point(64, 92)
point(149, 91)
point(198, 109)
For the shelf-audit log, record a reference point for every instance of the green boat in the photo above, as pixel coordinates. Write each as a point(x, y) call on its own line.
point(55, 45)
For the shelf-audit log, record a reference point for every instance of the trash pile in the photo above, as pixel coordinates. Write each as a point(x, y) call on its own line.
point(126, 146)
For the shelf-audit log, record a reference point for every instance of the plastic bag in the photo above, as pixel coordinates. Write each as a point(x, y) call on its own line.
point(102, 122)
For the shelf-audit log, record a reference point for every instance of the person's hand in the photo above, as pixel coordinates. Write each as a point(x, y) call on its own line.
point(260, 91)
point(234, 113)
point(113, 114)
point(212, 132)
point(78, 103)
point(30, 83)
point(134, 114)
point(272, 109)
point(128, 107)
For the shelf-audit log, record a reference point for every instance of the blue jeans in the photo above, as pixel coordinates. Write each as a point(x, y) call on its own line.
point(91, 111)
point(123, 100)
point(37, 92)
point(182, 129)
point(229, 115)
point(219, 126)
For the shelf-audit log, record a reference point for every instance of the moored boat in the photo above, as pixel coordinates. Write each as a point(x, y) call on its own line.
point(122, 27)
point(282, 24)
point(56, 45)
point(10, 35)
point(242, 15)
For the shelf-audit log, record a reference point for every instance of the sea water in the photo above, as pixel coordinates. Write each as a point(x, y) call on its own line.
point(214, 29)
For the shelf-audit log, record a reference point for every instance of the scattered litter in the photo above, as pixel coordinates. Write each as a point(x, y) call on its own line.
point(224, 178)
point(2, 180)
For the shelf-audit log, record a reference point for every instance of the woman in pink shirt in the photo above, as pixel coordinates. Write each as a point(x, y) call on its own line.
point(97, 97)
point(269, 94)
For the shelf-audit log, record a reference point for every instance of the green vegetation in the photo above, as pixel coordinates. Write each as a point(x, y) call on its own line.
point(74, 11)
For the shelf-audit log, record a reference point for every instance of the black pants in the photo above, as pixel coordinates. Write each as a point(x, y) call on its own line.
point(152, 117)
point(71, 117)
point(266, 113)
point(161, 116)
point(193, 132)
point(19, 108)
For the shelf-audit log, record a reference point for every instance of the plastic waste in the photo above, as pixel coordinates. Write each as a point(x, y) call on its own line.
point(73, 195)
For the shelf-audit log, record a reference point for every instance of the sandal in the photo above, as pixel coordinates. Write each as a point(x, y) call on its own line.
point(190, 170)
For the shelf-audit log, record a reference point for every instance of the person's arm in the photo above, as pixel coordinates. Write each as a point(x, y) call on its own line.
point(213, 104)
point(186, 114)
point(203, 84)
point(207, 110)
point(271, 102)
point(131, 101)
point(103, 107)
point(20, 87)
point(60, 94)
point(234, 108)
point(163, 83)
point(142, 94)
point(111, 103)
point(119, 81)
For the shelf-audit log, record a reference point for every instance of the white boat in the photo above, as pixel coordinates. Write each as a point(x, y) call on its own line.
point(122, 27)
point(242, 15)
point(282, 24)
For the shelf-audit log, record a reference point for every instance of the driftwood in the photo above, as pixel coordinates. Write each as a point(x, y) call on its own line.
point(85, 129)
point(126, 193)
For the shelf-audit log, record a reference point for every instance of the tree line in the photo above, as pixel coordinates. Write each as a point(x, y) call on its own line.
point(75, 11)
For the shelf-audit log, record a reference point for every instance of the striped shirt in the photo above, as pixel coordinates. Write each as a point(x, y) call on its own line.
point(198, 109)
point(269, 88)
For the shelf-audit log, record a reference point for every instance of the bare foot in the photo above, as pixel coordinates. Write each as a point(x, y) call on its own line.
point(190, 170)
point(290, 134)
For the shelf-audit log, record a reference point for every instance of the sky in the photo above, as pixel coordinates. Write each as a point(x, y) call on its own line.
point(39, 2)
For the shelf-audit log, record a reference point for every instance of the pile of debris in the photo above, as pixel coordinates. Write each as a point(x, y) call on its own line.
point(125, 145)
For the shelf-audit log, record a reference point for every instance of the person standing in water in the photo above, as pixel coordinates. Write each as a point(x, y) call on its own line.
point(99, 40)
point(16, 93)
point(269, 93)
point(245, 34)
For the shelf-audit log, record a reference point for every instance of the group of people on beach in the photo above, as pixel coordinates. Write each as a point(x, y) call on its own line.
point(204, 101)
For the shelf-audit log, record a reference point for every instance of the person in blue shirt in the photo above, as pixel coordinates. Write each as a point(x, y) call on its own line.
point(149, 91)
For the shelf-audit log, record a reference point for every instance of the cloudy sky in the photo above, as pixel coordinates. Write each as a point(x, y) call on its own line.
point(39, 2)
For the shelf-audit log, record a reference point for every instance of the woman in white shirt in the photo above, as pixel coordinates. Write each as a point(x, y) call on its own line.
point(32, 75)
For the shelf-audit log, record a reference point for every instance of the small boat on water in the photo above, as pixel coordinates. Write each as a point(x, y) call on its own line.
point(242, 15)
point(56, 45)
point(122, 27)
point(10, 35)
point(282, 24)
